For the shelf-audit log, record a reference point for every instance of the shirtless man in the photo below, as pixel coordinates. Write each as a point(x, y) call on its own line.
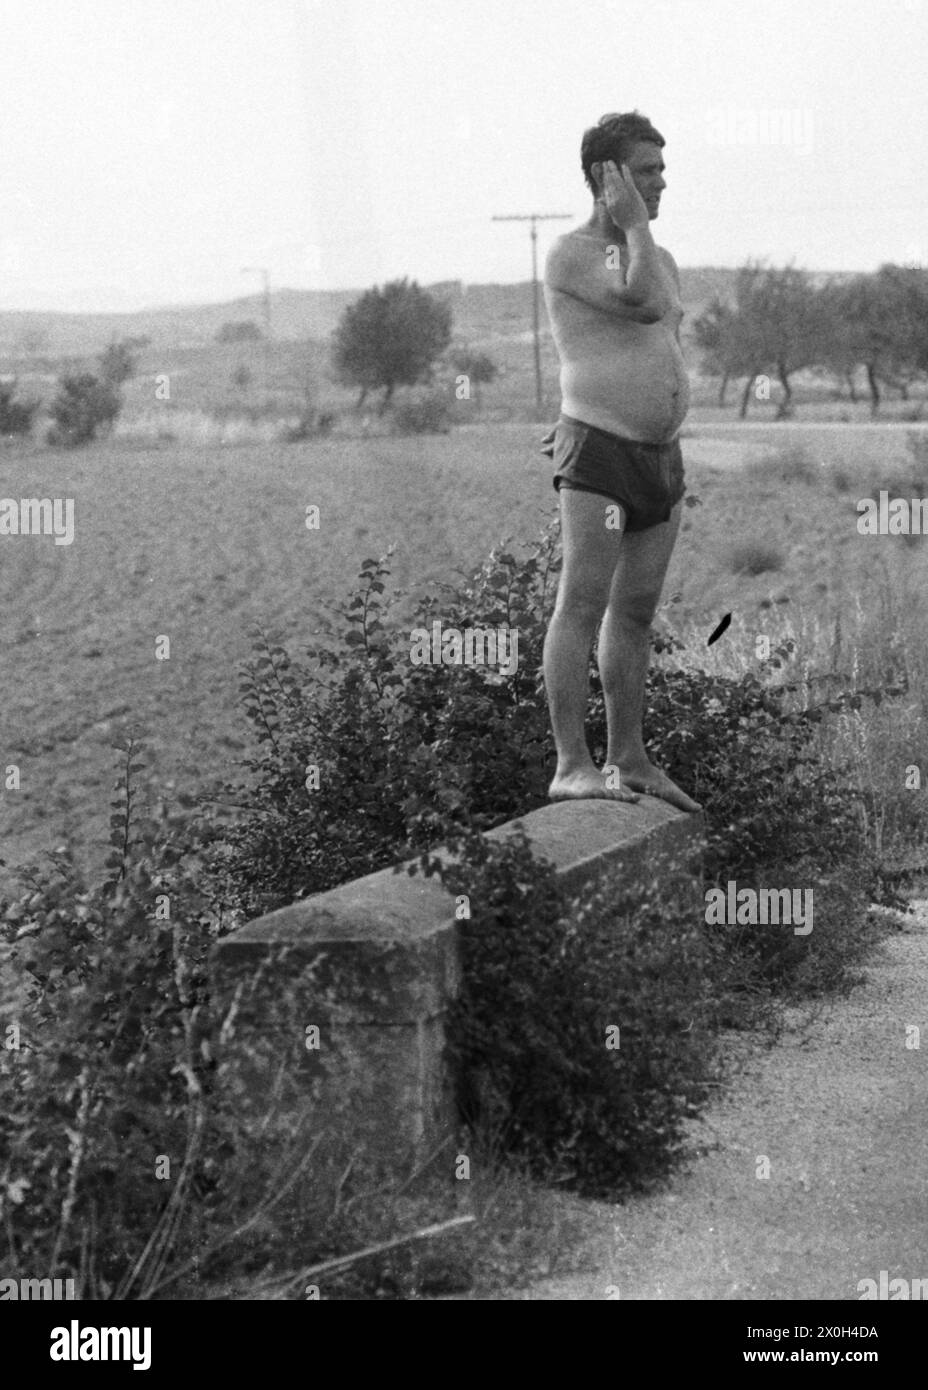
point(614, 305)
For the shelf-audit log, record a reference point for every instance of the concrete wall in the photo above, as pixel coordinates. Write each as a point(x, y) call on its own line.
point(383, 951)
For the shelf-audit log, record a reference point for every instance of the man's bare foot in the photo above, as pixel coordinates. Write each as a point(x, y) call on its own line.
point(587, 786)
point(652, 782)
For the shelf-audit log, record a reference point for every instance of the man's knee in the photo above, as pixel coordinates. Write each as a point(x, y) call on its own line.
point(581, 605)
point(634, 610)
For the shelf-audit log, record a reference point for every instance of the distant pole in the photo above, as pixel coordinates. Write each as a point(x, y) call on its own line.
point(535, 218)
point(266, 280)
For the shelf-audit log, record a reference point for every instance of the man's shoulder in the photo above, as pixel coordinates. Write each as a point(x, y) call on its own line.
point(572, 250)
point(665, 254)
point(579, 241)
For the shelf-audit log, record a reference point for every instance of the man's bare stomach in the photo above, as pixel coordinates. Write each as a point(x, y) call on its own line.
point(640, 394)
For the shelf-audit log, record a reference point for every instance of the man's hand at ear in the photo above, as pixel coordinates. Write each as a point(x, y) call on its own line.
point(620, 196)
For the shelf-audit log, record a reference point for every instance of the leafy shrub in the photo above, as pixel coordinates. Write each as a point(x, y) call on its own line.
point(84, 404)
point(546, 982)
point(406, 754)
point(772, 957)
point(15, 416)
point(424, 413)
point(118, 362)
point(111, 1067)
point(119, 1153)
point(403, 752)
point(753, 763)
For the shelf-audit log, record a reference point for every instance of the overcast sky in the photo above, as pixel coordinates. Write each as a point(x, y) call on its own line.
point(151, 149)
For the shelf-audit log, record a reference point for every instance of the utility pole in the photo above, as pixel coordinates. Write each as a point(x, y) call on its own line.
point(535, 218)
point(266, 279)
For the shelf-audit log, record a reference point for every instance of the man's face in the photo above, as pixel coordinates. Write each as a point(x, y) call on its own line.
point(647, 169)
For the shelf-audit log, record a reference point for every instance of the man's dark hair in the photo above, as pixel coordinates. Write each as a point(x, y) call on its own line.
point(612, 138)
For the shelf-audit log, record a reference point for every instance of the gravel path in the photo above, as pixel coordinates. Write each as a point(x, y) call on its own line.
point(840, 1108)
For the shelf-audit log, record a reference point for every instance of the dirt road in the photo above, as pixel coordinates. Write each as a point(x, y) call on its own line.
point(840, 1109)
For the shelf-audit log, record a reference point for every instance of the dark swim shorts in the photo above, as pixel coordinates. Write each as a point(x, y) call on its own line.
point(645, 479)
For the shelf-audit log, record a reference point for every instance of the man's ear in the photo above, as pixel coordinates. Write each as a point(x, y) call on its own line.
point(597, 171)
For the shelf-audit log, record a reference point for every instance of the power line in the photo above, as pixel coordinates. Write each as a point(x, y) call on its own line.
point(534, 218)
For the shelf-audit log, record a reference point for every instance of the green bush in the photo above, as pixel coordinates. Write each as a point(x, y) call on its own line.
point(15, 416)
point(424, 412)
point(547, 981)
point(753, 762)
point(112, 1063)
point(773, 959)
point(406, 754)
point(123, 1165)
point(83, 406)
point(403, 751)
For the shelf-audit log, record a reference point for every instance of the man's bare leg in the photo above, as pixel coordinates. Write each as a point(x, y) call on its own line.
point(590, 554)
point(624, 654)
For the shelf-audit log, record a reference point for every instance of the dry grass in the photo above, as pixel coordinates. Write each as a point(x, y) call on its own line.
point(755, 557)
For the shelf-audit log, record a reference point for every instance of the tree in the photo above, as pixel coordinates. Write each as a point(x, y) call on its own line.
point(838, 351)
point(884, 326)
point(714, 332)
point(772, 327)
point(732, 336)
point(903, 291)
point(84, 405)
point(390, 337)
point(784, 303)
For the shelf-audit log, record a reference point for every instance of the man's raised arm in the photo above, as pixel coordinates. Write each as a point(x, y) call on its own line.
point(577, 266)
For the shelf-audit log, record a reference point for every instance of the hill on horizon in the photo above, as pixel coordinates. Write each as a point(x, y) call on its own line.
point(483, 313)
